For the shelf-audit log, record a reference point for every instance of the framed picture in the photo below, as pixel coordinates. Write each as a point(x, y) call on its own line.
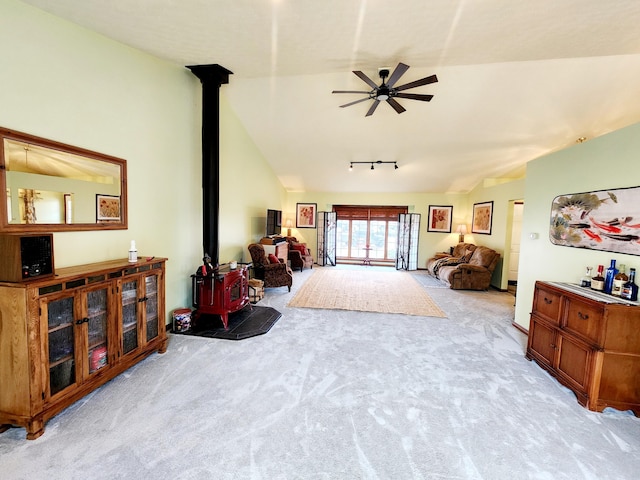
point(606, 220)
point(306, 215)
point(440, 218)
point(482, 217)
point(107, 208)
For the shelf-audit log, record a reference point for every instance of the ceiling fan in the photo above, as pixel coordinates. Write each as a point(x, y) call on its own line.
point(387, 92)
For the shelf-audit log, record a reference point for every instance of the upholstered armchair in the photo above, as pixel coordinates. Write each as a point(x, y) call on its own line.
point(299, 254)
point(276, 274)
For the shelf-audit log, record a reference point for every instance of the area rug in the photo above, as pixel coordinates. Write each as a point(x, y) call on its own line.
point(366, 291)
point(246, 323)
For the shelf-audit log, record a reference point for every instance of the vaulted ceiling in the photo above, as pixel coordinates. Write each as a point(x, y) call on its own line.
point(517, 79)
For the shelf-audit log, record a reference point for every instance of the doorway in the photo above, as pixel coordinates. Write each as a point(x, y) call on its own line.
point(514, 246)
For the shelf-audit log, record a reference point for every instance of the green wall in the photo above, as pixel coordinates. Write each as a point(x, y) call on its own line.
point(68, 84)
point(610, 161)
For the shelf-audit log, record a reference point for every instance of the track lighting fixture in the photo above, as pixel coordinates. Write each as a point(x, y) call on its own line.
point(378, 162)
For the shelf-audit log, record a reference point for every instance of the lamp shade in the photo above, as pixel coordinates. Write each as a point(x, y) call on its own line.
point(288, 223)
point(462, 229)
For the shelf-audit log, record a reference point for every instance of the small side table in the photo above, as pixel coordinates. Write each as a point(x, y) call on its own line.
point(367, 260)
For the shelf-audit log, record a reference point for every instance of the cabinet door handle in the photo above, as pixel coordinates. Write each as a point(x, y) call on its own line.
point(143, 299)
point(553, 345)
point(582, 316)
point(82, 320)
point(548, 301)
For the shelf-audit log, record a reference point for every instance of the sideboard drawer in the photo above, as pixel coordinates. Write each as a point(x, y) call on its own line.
point(584, 319)
point(547, 305)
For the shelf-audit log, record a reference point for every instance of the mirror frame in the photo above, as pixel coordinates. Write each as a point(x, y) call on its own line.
point(6, 227)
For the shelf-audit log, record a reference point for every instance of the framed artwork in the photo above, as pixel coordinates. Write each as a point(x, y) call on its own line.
point(107, 208)
point(482, 218)
point(607, 220)
point(440, 218)
point(306, 215)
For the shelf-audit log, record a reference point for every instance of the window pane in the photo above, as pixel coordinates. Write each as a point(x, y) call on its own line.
point(342, 238)
point(358, 238)
point(377, 238)
point(392, 241)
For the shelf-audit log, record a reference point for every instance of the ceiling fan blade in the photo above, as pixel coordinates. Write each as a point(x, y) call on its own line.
point(396, 106)
point(414, 96)
point(373, 108)
point(353, 103)
point(418, 83)
point(365, 79)
point(350, 91)
point(397, 73)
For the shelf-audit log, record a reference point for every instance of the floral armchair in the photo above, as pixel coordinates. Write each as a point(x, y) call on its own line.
point(299, 254)
point(272, 274)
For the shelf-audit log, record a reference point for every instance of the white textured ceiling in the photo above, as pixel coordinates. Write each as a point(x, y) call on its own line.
point(517, 79)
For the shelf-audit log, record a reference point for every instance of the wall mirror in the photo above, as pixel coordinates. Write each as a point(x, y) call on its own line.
point(53, 187)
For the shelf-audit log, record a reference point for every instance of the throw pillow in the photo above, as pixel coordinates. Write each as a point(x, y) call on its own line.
point(301, 248)
point(273, 258)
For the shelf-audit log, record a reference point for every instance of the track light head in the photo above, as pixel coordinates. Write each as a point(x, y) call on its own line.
point(372, 166)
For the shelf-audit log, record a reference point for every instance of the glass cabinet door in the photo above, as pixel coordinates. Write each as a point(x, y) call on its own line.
point(129, 316)
point(60, 335)
point(97, 305)
point(151, 309)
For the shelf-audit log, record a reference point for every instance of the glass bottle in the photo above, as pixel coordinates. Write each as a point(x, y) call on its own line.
point(619, 280)
point(597, 282)
point(630, 289)
point(609, 276)
point(585, 281)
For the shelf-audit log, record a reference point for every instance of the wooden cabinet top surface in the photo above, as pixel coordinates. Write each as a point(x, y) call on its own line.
point(578, 292)
point(91, 269)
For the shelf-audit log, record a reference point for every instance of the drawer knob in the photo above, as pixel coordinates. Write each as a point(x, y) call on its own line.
point(582, 316)
point(548, 301)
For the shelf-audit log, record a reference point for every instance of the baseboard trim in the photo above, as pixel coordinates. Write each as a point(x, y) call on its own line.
point(520, 328)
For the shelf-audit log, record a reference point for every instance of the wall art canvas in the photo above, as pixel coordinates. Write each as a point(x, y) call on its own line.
point(482, 218)
point(439, 218)
point(607, 220)
point(306, 215)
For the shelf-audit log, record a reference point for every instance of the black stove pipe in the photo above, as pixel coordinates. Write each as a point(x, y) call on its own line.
point(211, 77)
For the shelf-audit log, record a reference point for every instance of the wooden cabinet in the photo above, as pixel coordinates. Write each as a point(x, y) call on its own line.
point(588, 341)
point(64, 336)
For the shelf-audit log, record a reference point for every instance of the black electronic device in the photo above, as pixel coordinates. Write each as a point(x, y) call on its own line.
point(23, 257)
point(274, 223)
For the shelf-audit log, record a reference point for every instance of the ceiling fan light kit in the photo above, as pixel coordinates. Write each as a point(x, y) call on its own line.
point(377, 162)
point(387, 92)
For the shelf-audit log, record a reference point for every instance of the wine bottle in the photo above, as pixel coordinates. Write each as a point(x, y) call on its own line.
point(585, 281)
point(597, 282)
point(630, 289)
point(619, 280)
point(609, 276)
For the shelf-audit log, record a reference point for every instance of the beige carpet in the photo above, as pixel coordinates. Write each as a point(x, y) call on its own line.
point(365, 290)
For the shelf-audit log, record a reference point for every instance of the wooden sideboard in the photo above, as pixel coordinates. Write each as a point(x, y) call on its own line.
point(588, 341)
point(66, 335)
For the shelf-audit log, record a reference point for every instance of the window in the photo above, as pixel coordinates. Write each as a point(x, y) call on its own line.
point(367, 231)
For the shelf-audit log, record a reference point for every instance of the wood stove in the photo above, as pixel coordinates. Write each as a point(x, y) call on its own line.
point(217, 289)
